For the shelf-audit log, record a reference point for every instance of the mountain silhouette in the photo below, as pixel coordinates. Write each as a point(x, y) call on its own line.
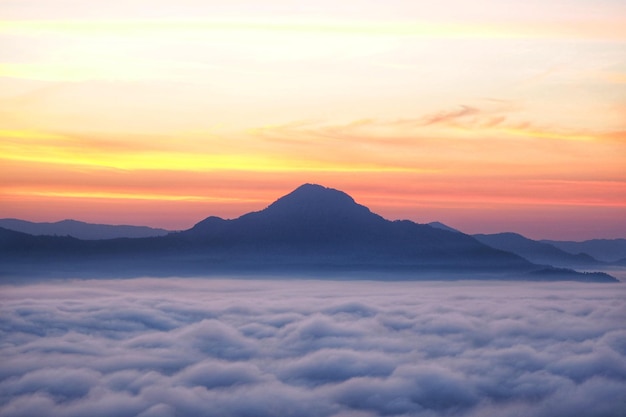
point(318, 225)
point(606, 250)
point(312, 230)
point(80, 230)
point(537, 252)
point(311, 214)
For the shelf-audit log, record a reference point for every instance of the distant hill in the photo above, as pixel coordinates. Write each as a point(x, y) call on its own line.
point(536, 252)
point(607, 250)
point(80, 230)
point(620, 262)
point(313, 230)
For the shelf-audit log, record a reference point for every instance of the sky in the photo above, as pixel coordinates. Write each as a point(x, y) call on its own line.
point(233, 348)
point(488, 116)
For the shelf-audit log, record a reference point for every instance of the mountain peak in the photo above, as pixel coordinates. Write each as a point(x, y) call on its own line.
point(314, 198)
point(316, 191)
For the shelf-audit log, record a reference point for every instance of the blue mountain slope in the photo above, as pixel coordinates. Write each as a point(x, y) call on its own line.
point(439, 225)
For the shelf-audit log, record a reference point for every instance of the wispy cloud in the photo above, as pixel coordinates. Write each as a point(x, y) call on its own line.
point(448, 116)
point(496, 121)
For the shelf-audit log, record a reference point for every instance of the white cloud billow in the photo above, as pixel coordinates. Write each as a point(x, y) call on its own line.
point(190, 347)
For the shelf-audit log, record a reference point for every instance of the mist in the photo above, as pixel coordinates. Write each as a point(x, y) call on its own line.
point(195, 347)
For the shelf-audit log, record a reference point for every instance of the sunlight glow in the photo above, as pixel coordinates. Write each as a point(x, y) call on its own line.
point(423, 106)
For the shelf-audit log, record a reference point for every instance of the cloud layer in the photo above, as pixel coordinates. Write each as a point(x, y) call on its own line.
point(190, 347)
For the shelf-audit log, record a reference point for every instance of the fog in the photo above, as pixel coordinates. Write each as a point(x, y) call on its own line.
point(195, 347)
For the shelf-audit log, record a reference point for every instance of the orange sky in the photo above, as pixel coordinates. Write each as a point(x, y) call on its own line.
point(494, 116)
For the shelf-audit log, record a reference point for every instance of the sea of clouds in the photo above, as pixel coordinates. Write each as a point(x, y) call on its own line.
point(196, 347)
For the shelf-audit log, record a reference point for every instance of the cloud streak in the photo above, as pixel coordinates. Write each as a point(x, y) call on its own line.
point(308, 348)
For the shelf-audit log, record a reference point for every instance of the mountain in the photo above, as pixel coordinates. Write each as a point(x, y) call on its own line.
point(80, 230)
point(12, 242)
point(313, 230)
point(439, 225)
point(607, 250)
point(536, 252)
point(315, 225)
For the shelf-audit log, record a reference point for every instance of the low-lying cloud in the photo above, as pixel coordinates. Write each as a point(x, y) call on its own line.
point(191, 347)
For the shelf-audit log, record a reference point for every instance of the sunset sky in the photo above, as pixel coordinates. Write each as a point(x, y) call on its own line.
point(490, 115)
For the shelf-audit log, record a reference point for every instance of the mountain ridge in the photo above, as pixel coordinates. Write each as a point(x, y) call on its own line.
point(80, 229)
point(313, 228)
point(606, 250)
point(536, 251)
